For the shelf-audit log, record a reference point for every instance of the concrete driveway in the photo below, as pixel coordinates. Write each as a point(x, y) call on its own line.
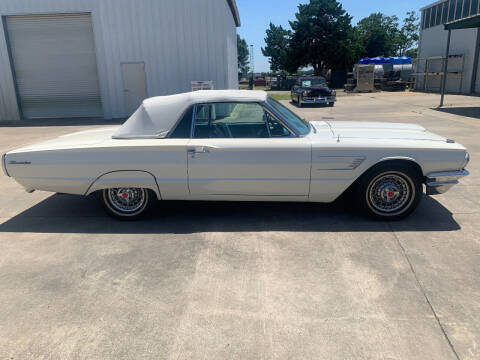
point(246, 281)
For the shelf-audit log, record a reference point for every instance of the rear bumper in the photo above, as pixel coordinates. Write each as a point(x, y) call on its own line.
point(440, 183)
point(4, 165)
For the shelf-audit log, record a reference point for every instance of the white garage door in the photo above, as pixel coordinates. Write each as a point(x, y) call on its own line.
point(55, 65)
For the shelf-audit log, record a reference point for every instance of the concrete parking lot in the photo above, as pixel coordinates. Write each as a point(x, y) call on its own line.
point(246, 281)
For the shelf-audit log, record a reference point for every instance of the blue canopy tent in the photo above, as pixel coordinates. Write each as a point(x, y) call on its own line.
point(396, 60)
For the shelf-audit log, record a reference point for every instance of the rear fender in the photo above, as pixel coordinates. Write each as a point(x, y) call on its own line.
point(125, 179)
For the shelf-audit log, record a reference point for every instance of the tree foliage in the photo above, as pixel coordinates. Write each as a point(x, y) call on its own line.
point(321, 34)
point(243, 56)
point(408, 37)
point(322, 37)
point(278, 41)
point(378, 35)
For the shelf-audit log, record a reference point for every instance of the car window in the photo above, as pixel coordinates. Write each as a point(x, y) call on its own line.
point(276, 128)
point(184, 127)
point(231, 120)
point(301, 127)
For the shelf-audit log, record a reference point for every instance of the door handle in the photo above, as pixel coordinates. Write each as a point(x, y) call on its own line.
point(198, 150)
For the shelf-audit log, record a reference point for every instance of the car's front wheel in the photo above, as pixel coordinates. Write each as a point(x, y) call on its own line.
point(390, 192)
point(299, 101)
point(127, 203)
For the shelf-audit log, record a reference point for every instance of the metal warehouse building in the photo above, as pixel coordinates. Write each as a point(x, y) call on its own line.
point(100, 58)
point(462, 18)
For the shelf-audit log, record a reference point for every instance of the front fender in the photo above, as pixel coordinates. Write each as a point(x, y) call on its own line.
point(121, 179)
point(403, 158)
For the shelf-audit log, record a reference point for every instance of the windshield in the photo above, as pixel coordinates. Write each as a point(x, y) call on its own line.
point(300, 126)
point(313, 82)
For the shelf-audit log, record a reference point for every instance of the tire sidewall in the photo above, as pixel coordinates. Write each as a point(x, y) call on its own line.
point(139, 214)
point(367, 180)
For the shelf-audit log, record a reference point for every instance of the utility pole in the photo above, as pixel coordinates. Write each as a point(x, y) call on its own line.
point(252, 67)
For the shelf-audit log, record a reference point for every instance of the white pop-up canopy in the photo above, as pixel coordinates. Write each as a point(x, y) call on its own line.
point(156, 117)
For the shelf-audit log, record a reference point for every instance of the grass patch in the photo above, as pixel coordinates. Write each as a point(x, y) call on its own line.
point(279, 97)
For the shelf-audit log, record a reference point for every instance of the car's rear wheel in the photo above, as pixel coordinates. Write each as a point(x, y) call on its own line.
point(127, 203)
point(389, 192)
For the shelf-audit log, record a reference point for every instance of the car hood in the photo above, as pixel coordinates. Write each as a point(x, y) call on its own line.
point(380, 130)
point(71, 141)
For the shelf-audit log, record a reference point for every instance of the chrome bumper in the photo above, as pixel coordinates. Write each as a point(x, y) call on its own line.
point(440, 183)
point(4, 165)
point(318, 100)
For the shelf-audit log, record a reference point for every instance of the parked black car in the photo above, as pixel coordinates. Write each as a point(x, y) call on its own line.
point(313, 90)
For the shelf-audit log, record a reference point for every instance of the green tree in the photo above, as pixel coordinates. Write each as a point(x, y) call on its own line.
point(243, 54)
point(413, 53)
point(277, 49)
point(322, 35)
point(409, 35)
point(378, 35)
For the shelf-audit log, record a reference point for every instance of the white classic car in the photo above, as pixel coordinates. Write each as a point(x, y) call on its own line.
point(241, 146)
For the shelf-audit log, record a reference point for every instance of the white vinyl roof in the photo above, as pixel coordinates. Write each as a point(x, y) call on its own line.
point(156, 117)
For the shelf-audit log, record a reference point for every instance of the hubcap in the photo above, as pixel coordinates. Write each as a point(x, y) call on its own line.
point(127, 200)
point(389, 193)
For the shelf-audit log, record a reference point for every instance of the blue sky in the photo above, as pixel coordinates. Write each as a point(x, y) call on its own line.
point(257, 14)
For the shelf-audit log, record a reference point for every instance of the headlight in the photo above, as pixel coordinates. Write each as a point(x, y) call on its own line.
point(306, 93)
point(334, 93)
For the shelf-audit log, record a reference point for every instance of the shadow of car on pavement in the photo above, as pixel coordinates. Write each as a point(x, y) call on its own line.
point(468, 111)
point(77, 214)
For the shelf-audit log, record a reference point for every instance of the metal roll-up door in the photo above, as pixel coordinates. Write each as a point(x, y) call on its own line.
point(55, 65)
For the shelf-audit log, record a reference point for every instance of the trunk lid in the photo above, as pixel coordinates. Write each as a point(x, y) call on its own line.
point(71, 141)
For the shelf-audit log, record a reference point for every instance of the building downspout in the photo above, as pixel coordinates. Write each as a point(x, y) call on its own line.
point(475, 63)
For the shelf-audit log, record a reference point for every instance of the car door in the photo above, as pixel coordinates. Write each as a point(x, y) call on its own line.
point(241, 150)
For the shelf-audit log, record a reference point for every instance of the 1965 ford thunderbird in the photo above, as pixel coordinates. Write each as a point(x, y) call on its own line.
point(241, 146)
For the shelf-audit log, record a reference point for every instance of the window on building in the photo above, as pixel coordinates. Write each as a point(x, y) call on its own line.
point(474, 7)
point(451, 10)
point(444, 12)
point(466, 8)
point(458, 9)
point(427, 17)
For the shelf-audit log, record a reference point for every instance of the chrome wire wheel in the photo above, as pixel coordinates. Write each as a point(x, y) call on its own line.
point(126, 201)
point(390, 193)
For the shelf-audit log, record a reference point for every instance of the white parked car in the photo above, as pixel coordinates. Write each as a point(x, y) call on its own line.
point(241, 146)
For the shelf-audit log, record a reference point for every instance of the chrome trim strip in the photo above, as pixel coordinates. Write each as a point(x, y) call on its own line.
point(4, 165)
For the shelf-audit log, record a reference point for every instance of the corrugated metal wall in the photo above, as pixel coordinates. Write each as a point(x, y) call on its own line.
point(434, 43)
point(179, 41)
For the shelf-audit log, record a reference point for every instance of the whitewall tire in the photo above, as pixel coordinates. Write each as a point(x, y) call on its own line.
point(127, 203)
